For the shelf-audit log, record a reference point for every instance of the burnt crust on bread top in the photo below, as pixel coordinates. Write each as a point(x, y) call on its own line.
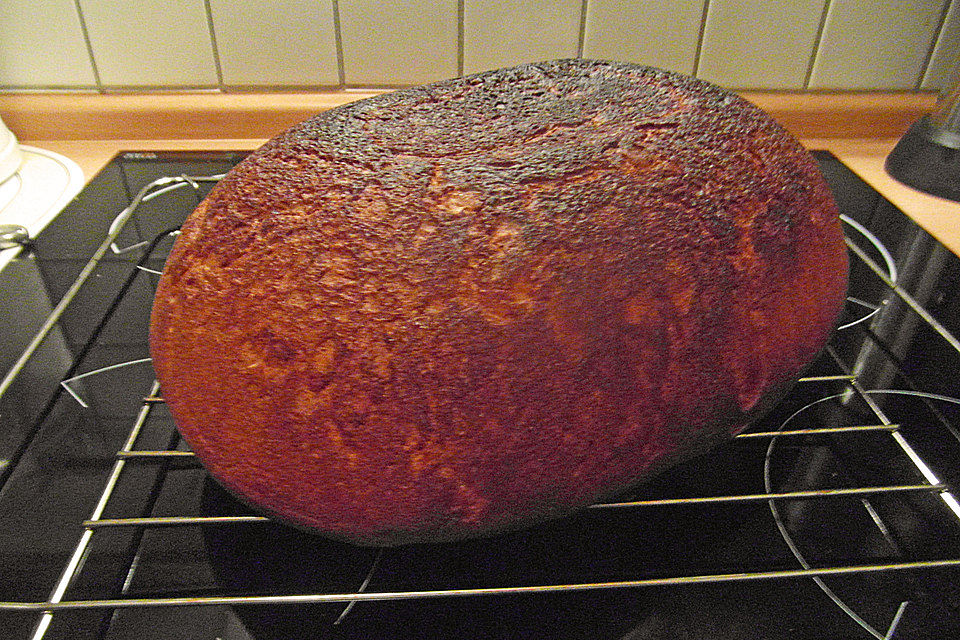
point(469, 306)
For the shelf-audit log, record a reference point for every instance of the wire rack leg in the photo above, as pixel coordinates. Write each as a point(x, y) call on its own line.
point(82, 549)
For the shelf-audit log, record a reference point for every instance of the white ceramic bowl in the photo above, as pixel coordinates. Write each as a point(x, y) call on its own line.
point(10, 155)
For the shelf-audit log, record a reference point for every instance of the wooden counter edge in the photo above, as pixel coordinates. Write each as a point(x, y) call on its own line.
point(211, 115)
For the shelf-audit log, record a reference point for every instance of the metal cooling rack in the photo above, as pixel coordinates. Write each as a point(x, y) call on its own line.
point(881, 426)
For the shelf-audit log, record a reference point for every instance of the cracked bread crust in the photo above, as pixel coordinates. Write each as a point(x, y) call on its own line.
point(474, 305)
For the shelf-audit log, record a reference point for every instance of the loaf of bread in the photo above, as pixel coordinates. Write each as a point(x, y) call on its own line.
point(470, 306)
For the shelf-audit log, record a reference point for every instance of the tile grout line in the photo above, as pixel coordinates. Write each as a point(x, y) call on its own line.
point(213, 45)
point(700, 36)
point(817, 41)
point(89, 45)
point(14, 89)
point(338, 44)
point(582, 32)
point(460, 36)
point(937, 35)
point(120, 89)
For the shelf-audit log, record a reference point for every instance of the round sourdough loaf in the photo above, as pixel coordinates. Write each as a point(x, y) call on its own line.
point(473, 305)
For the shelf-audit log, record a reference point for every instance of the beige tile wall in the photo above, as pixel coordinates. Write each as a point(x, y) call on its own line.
point(42, 44)
point(661, 34)
point(109, 45)
point(163, 43)
point(863, 47)
point(942, 69)
point(759, 43)
point(501, 33)
point(253, 40)
point(389, 42)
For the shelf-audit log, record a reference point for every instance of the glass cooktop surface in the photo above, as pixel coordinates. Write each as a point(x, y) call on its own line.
point(829, 518)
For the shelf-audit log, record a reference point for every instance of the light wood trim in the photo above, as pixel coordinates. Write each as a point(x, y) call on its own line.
point(162, 116)
point(80, 116)
point(845, 115)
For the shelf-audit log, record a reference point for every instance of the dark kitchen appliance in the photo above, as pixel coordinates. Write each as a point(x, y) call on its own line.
point(927, 157)
point(833, 517)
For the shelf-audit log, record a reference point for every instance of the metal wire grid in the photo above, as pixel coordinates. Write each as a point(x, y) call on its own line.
point(129, 454)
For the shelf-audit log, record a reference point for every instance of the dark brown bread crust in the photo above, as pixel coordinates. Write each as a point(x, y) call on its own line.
point(473, 305)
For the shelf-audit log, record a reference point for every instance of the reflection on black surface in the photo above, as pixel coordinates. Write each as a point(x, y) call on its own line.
point(273, 558)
